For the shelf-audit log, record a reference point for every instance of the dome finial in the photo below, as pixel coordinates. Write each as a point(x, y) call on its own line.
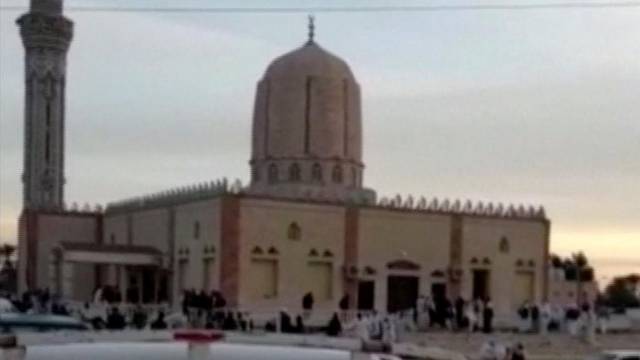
point(312, 28)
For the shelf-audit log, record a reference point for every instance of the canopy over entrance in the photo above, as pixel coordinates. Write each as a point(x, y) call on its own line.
point(110, 254)
point(136, 273)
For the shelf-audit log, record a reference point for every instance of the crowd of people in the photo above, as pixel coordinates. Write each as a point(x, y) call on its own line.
point(491, 350)
point(459, 315)
point(113, 318)
point(201, 309)
point(585, 320)
point(38, 301)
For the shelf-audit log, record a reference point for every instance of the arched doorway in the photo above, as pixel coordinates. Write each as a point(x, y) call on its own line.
point(403, 285)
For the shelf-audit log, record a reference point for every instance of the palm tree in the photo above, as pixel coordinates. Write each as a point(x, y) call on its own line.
point(580, 263)
point(7, 250)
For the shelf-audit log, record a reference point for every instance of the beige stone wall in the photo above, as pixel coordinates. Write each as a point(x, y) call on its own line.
point(315, 261)
point(388, 235)
point(151, 228)
point(563, 292)
point(265, 224)
point(115, 229)
point(526, 243)
point(190, 244)
point(172, 230)
point(54, 229)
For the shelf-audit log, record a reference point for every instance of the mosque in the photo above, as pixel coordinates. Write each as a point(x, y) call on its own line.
point(304, 223)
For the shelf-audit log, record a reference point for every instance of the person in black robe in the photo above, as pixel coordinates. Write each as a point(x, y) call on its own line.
point(229, 323)
point(242, 323)
point(307, 301)
point(185, 302)
point(220, 302)
point(334, 328)
point(535, 318)
point(487, 318)
point(139, 318)
point(459, 305)
point(115, 320)
point(518, 353)
point(159, 323)
point(285, 323)
point(344, 303)
point(299, 328)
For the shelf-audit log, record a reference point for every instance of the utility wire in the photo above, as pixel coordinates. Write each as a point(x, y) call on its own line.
point(350, 9)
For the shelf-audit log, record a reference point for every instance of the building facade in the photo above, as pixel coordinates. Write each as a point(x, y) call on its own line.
point(305, 222)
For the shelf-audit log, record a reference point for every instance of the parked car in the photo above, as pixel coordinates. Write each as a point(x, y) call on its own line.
point(16, 323)
point(179, 351)
point(617, 355)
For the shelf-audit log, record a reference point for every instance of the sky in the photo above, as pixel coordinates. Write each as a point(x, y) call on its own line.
point(535, 107)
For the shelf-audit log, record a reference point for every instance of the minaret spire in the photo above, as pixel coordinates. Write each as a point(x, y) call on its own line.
point(46, 36)
point(312, 28)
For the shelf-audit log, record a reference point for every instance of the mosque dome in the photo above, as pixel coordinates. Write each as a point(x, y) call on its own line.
point(307, 130)
point(309, 60)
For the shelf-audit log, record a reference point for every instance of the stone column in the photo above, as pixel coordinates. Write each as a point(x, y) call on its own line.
point(123, 274)
point(67, 280)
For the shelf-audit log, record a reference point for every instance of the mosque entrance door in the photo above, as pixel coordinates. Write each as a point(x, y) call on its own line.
point(402, 293)
point(481, 284)
point(366, 293)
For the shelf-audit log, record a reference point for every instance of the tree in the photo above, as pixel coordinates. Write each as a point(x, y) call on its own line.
point(620, 292)
point(7, 272)
point(556, 261)
point(7, 251)
point(580, 263)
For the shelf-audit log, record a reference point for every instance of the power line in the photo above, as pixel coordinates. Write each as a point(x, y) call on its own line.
point(350, 9)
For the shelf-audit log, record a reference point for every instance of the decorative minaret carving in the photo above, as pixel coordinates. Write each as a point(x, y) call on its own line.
point(46, 35)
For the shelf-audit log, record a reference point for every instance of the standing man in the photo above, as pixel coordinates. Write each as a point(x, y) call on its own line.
point(487, 317)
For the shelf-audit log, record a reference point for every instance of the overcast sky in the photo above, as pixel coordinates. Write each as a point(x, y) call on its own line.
point(538, 107)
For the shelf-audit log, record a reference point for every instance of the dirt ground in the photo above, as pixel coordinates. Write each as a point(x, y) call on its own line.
point(551, 347)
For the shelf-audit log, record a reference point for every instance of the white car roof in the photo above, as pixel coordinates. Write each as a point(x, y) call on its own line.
point(623, 352)
point(177, 351)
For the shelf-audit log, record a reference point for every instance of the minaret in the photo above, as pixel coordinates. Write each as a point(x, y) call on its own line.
point(46, 35)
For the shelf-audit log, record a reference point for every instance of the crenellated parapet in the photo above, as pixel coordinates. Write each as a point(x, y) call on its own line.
point(179, 195)
point(466, 207)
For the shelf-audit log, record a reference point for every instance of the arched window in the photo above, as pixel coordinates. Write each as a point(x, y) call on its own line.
point(316, 172)
point(336, 174)
point(504, 245)
point(273, 173)
point(294, 172)
point(294, 231)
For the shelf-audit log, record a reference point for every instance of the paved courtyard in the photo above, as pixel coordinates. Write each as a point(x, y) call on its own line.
point(555, 346)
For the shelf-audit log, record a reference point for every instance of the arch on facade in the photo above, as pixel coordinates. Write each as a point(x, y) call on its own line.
point(402, 265)
point(504, 245)
point(336, 174)
point(294, 172)
point(316, 172)
point(273, 173)
point(294, 231)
